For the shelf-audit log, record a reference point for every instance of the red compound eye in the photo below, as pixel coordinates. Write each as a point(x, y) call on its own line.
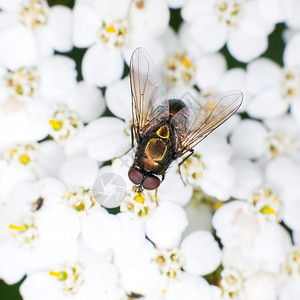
point(135, 175)
point(151, 183)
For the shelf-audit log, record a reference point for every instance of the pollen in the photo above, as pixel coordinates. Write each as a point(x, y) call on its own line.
point(186, 62)
point(139, 198)
point(11, 226)
point(52, 273)
point(218, 205)
point(268, 210)
point(111, 29)
point(61, 275)
point(57, 125)
point(24, 159)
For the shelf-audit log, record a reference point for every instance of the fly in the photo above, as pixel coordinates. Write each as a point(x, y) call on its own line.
point(166, 129)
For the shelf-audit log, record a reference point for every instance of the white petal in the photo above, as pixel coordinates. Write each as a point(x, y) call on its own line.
point(261, 74)
point(151, 20)
point(86, 22)
point(59, 28)
point(12, 6)
point(248, 138)
point(118, 98)
point(267, 104)
point(295, 112)
point(58, 77)
point(201, 252)
point(284, 173)
point(79, 171)
point(218, 181)
point(18, 47)
point(112, 10)
point(193, 9)
point(291, 56)
point(101, 230)
point(253, 22)
point(51, 156)
point(58, 226)
point(188, 287)
point(290, 290)
point(235, 79)
point(165, 226)
point(292, 12)
point(102, 67)
point(143, 279)
point(175, 3)
point(208, 33)
point(39, 285)
point(291, 210)
point(209, 69)
point(106, 138)
point(87, 100)
point(174, 189)
point(271, 244)
point(11, 259)
point(272, 11)
point(248, 177)
point(261, 286)
point(245, 47)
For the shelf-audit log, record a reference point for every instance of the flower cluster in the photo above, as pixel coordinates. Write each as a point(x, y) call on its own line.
point(224, 224)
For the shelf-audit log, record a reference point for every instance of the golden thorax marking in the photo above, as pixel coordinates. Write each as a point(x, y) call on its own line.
point(163, 132)
point(156, 149)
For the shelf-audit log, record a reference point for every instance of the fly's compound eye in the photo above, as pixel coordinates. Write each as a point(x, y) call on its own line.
point(151, 183)
point(135, 175)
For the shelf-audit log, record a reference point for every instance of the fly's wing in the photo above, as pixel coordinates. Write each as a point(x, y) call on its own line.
point(149, 102)
point(200, 117)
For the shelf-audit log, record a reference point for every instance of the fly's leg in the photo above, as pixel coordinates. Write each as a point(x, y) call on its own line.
point(179, 165)
point(156, 199)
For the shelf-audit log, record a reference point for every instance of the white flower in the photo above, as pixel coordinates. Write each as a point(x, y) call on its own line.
point(209, 168)
point(264, 142)
point(37, 233)
point(27, 161)
point(144, 208)
point(249, 241)
point(112, 31)
point(285, 175)
point(275, 89)
point(73, 280)
point(240, 24)
point(26, 94)
point(291, 9)
point(169, 271)
point(66, 122)
point(236, 285)
point(34, 31)
point(290, 273)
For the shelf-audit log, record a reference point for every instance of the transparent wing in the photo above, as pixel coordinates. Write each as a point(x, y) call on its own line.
point(149, 101)
point(200, 117)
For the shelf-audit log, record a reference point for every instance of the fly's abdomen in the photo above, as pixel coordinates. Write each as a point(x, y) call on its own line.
point(155, 151)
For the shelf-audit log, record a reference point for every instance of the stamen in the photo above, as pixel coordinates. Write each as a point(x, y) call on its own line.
point(110, 29)
point(52, 273)
point(268, 210)
point(57, 125)
point(61, 275)
point(139, 198)
point(24, 159)
point(186, 62)
point(11, 226)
